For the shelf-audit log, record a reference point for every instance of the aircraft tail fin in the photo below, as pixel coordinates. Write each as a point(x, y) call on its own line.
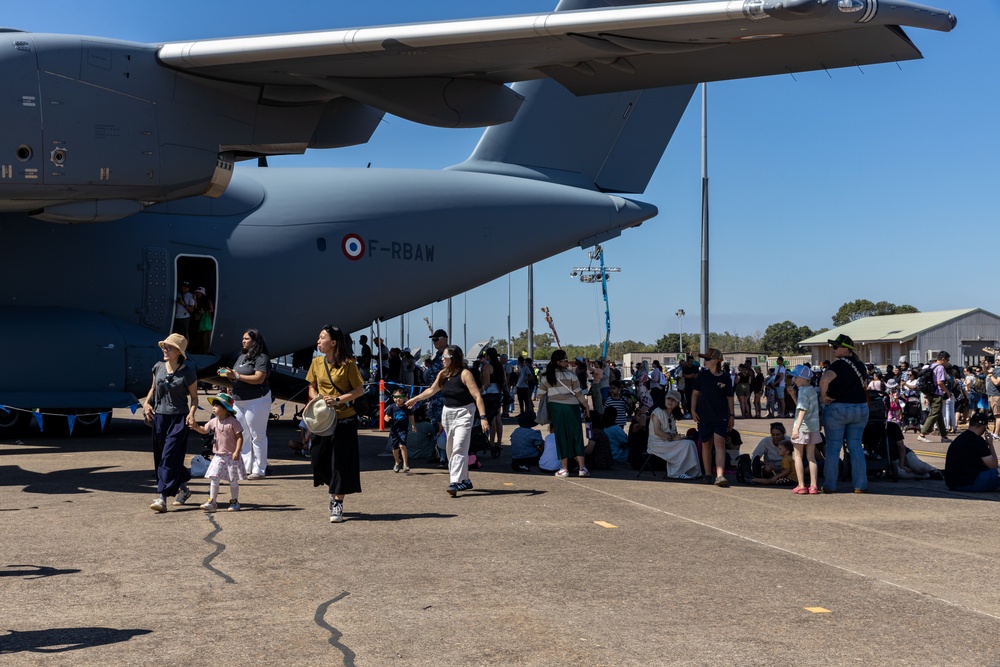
point(610, 142)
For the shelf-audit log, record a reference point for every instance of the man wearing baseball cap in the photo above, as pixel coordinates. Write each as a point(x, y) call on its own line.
point(712, 409)
point(436, 404)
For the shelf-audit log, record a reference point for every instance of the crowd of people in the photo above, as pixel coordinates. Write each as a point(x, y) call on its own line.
point(586, 406)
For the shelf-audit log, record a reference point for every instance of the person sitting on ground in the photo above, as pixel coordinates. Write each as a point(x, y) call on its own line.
point(908, 465)
point(618, 402)
point(765, 459)
point(784, 476)
point(549, 461)
point(302, 445)
point(421, 440)
point(526, 444)
point(638, 441)
point(597, 453)
point(616, 435)
point(679, 453)
point(971, 461)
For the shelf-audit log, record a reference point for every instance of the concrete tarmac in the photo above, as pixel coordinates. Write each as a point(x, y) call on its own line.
point(525, 569)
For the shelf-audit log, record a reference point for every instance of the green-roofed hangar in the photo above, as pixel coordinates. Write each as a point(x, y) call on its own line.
point(915, 337)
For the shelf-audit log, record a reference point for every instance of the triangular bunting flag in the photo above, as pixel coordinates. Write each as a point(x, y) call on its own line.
point(133, 408)
point(104, 419)
point(39, 418)
point(71, 420)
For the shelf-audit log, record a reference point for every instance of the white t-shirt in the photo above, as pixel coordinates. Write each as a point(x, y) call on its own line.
point(180, 312)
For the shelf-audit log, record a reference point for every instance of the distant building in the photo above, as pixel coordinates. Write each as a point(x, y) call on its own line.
point(915, 337)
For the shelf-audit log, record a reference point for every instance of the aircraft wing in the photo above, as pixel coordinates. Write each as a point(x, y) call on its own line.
point(409, 69)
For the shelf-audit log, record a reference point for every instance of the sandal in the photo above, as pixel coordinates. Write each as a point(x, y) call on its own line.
point(801, 490)
point(813, 491)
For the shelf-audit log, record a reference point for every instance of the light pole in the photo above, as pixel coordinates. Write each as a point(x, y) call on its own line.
point(680, 335)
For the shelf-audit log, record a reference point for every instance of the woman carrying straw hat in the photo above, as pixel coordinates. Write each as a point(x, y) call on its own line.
point(335, 377)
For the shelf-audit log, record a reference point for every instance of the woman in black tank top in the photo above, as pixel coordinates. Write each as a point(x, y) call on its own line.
point(461, 400)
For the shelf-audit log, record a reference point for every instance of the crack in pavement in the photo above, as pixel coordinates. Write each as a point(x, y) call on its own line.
point(335, 634)
point(219, 548)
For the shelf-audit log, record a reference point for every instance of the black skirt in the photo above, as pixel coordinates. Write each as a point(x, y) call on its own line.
point(335, 459)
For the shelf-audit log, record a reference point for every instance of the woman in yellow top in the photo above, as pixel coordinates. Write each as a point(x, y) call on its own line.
point(335, 459)
point(565, 399)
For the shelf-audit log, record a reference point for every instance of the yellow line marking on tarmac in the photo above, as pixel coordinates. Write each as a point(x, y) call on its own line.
point(508, 483)
point(605, 524)
point(790, 552)
point(818, 610)
point(937, 455)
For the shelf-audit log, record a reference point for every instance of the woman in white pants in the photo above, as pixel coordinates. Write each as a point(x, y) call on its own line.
point(461, 400)
point(252, 398)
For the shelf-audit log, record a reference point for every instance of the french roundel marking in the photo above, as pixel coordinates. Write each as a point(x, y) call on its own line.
point(353, 247)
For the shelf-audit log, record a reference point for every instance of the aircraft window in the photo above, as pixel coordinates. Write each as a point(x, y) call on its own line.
point(23, 153)
point(321, 244)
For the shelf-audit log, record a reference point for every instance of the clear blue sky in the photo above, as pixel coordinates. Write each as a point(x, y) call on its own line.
point(824, 189)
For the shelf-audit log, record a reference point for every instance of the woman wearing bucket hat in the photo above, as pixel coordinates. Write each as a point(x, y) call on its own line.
point(334, 379)
point(167, 407)
point(842, 390)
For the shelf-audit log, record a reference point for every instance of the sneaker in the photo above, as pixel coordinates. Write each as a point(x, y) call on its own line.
point(234, 505)
point(182, 496)
point(584, 472)
point(210, 506)
point(922, 438)
point(397, 468)
point(336, 512)
point(708, 479)
point(158, 505)
point(522, 469)
point(256, 475)
point(721, 481)
point(442, 466)
point(453, 489)
point(945, 439)
point(465, 486)
point(562, 473)
point(406, 468)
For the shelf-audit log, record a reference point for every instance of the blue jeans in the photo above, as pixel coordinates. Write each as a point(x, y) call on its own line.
point(987, 480)
point(844, 423)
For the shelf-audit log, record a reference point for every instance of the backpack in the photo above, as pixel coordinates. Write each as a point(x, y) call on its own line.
point(979, 386)
point(925, 382)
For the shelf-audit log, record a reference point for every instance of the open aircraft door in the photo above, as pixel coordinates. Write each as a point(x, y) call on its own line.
point(22, 161)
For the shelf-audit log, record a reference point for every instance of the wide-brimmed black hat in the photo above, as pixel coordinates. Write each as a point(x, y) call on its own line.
point(842, 341)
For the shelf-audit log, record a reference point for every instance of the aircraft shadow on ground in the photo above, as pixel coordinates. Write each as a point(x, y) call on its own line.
point(396, 516)
point(33, 571)
point(77, 480)
point(60, 640)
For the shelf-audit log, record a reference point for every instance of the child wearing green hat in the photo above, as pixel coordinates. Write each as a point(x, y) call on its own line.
point(226, 463)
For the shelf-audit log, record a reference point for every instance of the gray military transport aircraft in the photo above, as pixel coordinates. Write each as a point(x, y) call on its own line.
point(117, 179)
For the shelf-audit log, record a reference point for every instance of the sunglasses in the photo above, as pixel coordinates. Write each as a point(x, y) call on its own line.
point(436, 339)
point(446, 356)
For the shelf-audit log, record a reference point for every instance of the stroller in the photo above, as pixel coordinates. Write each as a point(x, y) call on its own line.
point(911, 412)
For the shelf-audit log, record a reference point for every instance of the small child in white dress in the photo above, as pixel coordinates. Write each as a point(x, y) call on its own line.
point(226, 462)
